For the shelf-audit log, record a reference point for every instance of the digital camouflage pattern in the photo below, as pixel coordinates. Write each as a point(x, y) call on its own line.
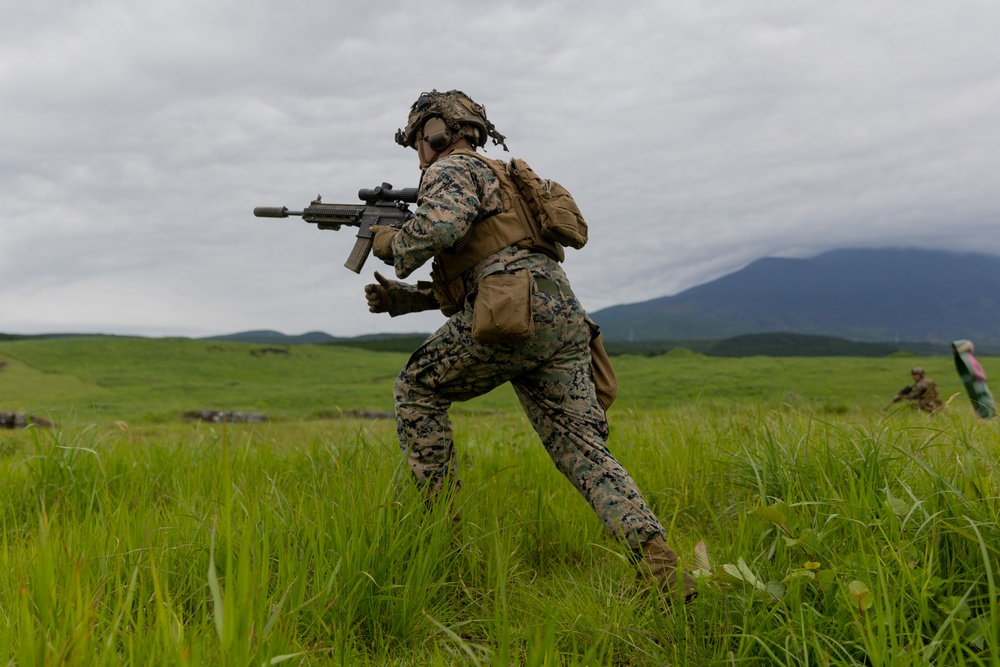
point(550, 371)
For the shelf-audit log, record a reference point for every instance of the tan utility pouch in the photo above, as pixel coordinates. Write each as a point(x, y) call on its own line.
point(502, 309)
point(605, 380)
point(450, 292)
point(552, 205)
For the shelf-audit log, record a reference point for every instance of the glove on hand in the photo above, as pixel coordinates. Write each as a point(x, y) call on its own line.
point(379, 300)
point(398, 298)
point(382, 244)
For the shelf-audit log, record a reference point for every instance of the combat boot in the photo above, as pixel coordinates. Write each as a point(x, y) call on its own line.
point(659, 563)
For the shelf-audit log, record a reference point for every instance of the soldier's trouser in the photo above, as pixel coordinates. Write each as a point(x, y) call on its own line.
point(551, 375)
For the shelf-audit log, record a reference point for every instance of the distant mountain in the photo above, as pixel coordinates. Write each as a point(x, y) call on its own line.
point(864, 295)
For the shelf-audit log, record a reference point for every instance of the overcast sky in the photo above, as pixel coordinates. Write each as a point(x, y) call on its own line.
point(697, 136)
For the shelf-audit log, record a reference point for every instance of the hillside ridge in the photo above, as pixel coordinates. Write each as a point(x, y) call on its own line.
point(882, 295)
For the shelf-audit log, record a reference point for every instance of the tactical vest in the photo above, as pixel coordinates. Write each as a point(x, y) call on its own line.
point(513, 225)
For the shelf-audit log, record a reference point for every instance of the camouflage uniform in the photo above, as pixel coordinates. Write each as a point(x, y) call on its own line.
point(922, 394)
point(550, 371)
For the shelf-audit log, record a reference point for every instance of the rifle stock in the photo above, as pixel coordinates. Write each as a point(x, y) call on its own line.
point(382, 206)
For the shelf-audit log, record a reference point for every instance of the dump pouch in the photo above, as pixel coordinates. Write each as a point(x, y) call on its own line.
point(605, 380)
point(501, 311)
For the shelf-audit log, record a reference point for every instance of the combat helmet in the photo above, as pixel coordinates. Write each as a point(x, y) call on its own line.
point(462, 116)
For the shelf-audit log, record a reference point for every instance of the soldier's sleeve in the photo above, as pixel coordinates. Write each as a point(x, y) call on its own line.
point(446, 208)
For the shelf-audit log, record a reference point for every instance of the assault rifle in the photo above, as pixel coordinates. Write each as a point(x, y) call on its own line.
point(903, 393)
point(382, 206)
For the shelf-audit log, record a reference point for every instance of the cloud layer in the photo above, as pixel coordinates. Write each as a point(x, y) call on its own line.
point(697, 137)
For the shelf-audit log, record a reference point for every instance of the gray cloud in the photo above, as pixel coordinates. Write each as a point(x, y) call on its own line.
point(697, 136)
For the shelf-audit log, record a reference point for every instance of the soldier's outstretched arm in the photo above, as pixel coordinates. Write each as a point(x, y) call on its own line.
point(399, 298)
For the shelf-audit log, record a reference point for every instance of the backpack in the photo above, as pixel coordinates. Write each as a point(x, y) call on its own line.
point(551, 204)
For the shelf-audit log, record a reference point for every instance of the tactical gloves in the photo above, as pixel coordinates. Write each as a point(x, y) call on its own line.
point(378, 295)
point(397, 298)
point(382, 243)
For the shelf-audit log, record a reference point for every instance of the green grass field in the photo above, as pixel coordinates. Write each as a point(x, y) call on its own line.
point(837, 532)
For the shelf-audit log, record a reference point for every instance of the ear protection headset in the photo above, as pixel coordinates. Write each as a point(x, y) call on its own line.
point(436, 134)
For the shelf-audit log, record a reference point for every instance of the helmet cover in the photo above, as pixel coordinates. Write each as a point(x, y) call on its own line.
point(463, 116)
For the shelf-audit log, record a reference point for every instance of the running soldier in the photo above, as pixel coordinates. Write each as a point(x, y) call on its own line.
point(512, 317)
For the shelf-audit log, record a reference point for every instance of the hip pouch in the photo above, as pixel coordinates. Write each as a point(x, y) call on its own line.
point(502, 309)
point(450, 293)
point(605, 380)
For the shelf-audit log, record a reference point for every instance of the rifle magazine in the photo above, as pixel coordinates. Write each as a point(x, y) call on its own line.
point(362, 248)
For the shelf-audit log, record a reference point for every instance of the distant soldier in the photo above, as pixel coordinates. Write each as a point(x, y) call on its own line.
point(922, 393)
